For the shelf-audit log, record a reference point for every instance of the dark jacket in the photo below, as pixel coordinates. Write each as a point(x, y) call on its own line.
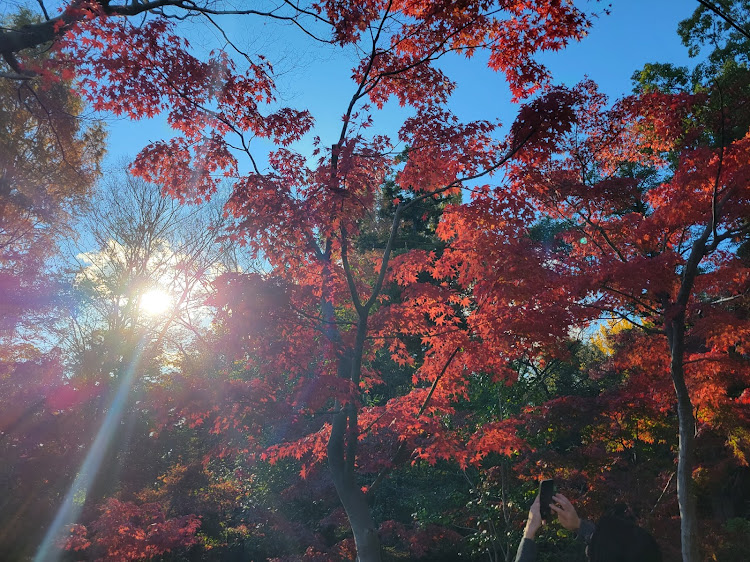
point(527, 548)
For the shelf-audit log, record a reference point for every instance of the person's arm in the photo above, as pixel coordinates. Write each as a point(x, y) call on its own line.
point(585, 531)
point(526, 551)
point(527, 548)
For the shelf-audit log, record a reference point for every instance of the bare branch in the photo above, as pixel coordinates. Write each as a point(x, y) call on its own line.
point(36, 34)
point(349, 277)
point(726, 17)
point(633, 298)
point(44, 9)
point(12, 76)
point(401, 451)
point(664, 491)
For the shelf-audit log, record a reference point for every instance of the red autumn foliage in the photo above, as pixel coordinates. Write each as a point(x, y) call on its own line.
point(127, 531)
point(300, 344)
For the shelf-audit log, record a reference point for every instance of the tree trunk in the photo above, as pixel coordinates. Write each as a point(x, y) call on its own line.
point(686, 454)
point(675, 329)
point(342, 449)
point(352, 497)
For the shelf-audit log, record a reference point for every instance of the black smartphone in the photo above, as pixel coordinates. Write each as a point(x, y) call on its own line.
point(546, 491)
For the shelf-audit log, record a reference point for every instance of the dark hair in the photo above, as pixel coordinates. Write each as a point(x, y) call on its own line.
point(617, 539)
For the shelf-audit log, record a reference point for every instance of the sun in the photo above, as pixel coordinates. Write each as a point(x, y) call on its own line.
point(155, 302)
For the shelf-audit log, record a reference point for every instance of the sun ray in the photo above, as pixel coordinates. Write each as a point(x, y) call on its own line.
point(72, 505)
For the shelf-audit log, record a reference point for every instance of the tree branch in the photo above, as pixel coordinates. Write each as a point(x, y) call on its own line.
point(361, 311)
point(726, 17)
point(401, 451)
point(36, 34)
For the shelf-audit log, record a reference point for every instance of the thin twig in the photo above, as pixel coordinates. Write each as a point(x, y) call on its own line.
point(664, 491)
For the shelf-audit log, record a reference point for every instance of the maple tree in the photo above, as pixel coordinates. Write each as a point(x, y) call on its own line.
point(303, 220)
point(354, 352)
point(651, 198)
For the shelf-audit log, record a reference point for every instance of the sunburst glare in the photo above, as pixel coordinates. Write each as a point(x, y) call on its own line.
point(155, 302)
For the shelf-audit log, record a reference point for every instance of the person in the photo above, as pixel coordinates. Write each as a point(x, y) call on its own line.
point(612, 539)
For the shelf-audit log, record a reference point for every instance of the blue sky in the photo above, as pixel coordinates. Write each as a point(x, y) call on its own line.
point(317, 77)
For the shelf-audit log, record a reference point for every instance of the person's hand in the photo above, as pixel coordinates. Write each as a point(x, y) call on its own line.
point(534, 521)
point(566, 513)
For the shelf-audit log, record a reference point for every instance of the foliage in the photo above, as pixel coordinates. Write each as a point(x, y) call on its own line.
point(126, 531)
point(406, 363)
point(656, 250)
point(49, 159)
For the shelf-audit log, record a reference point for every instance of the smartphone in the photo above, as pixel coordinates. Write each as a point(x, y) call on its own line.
point(546, 491)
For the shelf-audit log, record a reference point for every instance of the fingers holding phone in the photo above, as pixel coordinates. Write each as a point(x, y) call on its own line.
point(566, 513)
point(547, 502)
